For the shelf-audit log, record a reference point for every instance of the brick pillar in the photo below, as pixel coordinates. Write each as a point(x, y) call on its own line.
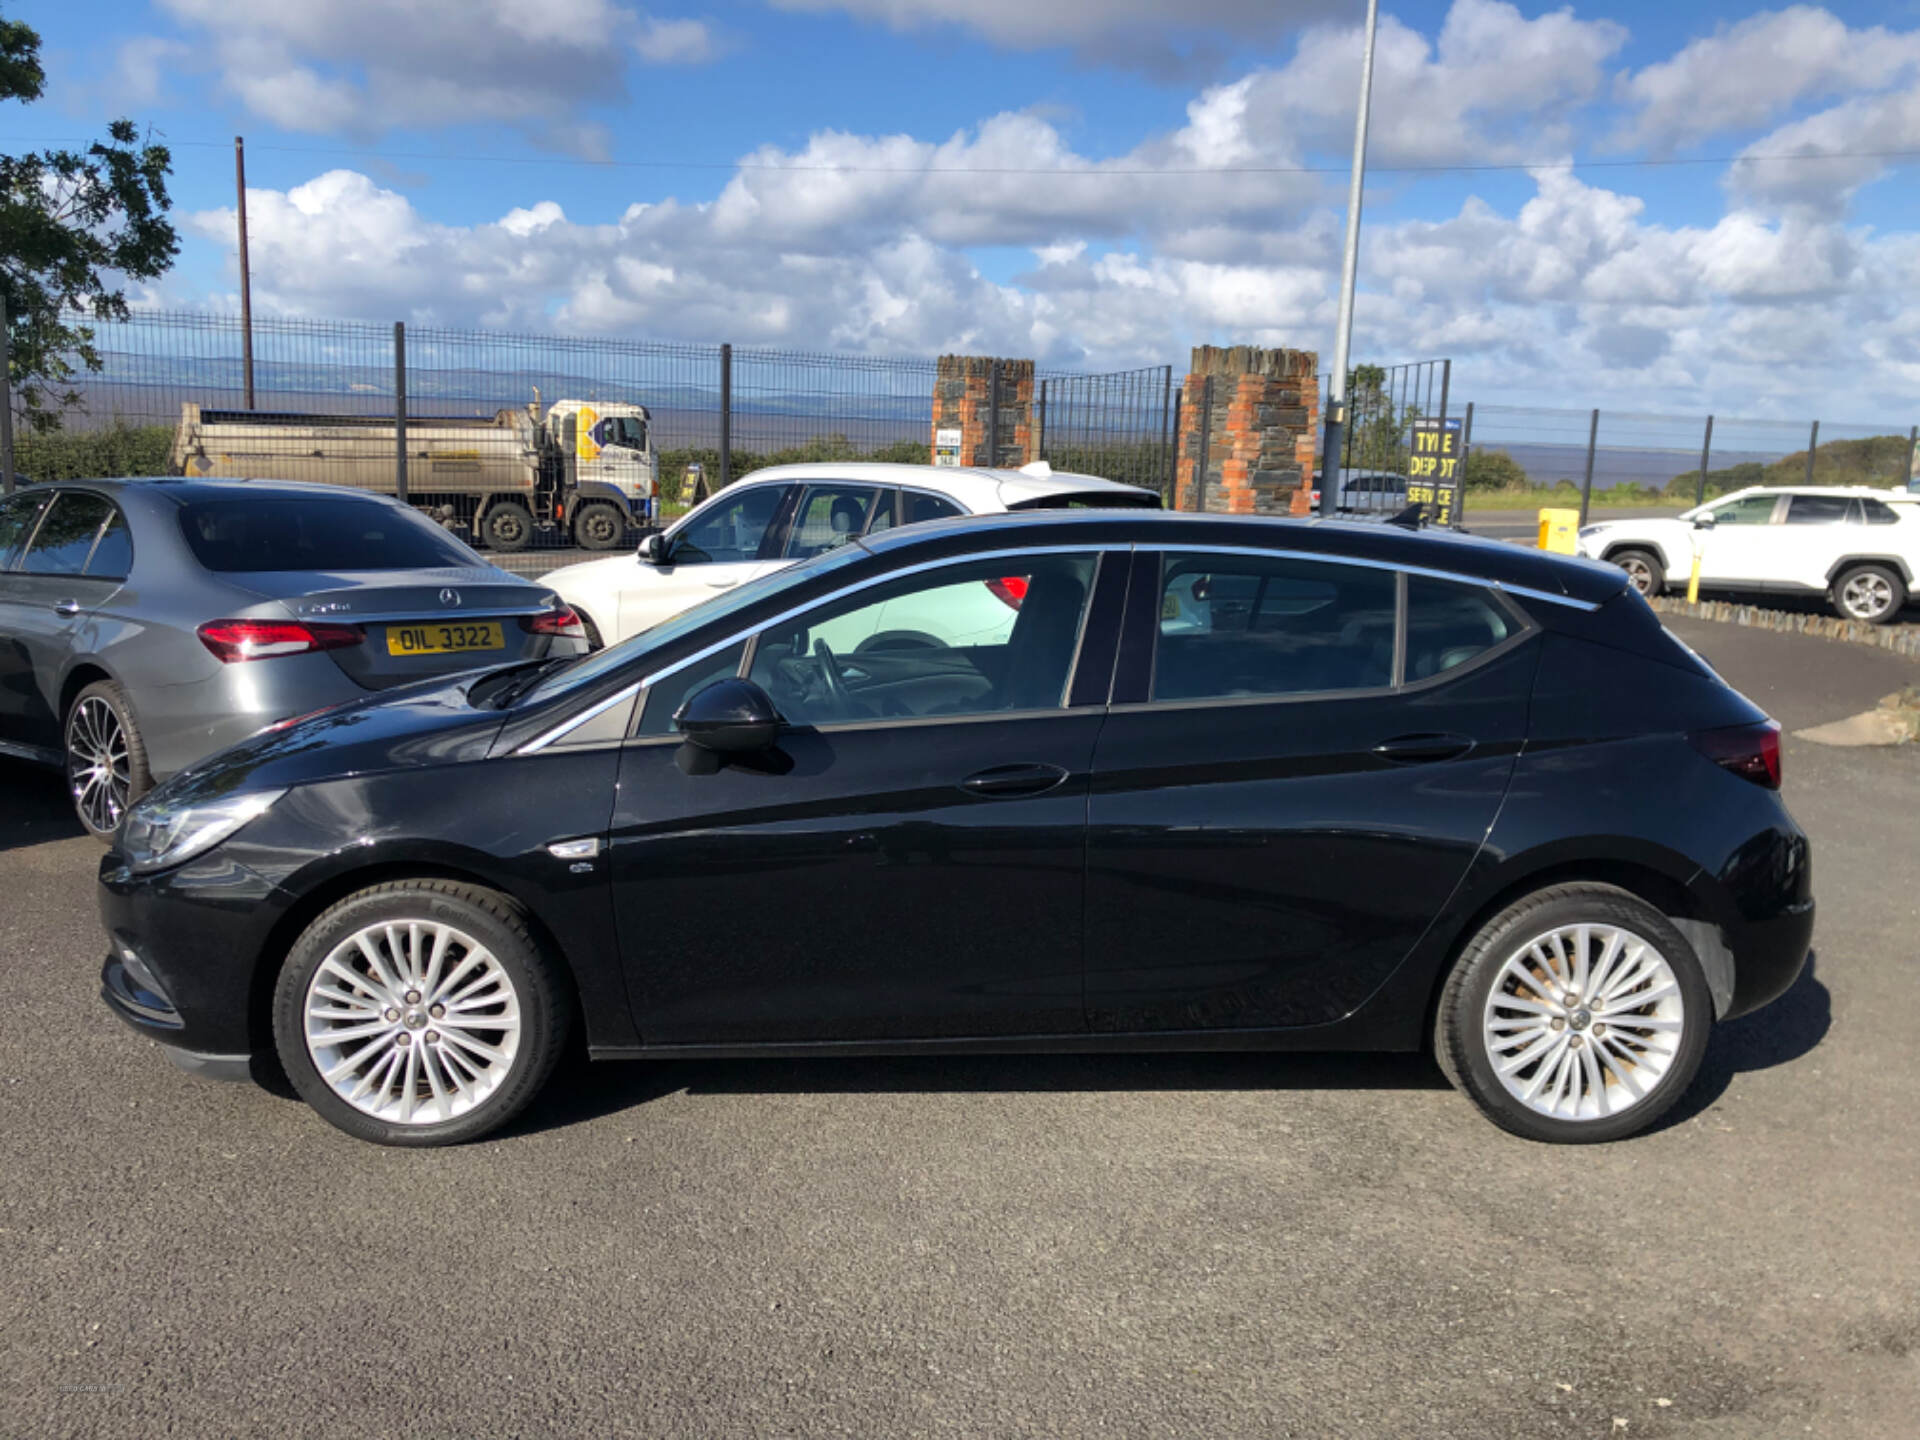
point(961, 402)
point(1257, 437)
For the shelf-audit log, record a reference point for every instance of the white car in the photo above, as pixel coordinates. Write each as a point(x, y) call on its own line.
point(1860, 547)
point(789, 513)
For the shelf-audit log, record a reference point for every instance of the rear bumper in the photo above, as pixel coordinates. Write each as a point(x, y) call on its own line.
point(1768, 957)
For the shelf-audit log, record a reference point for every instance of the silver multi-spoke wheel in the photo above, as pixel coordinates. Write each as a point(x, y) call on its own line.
point(1584, 1021)
point(99, 765)
point(412, 1022)
point(1639, 572)
point(1867, 595)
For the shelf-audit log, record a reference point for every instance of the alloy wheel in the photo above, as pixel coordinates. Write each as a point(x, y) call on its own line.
point(412, 1022)
point(99, 770)
point(1866, 596)
point(1639, 574)
point(1584, 1022)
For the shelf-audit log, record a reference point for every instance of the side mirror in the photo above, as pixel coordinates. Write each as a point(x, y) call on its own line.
point(1704, 521)
point(729, 717)
point(653, 549)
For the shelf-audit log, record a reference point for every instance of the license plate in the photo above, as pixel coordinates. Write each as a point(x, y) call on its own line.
point(440, 639)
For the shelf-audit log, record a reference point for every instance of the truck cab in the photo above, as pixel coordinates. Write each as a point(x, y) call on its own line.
point(606, 449)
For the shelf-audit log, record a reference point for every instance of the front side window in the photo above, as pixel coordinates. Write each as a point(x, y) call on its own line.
point(829, 516)
point(1449, 624)
point(984, 637)
point(1236, 626)
point(65, 538)
point(1818, 509)
point(17, 514)
point(670, 692)
point(1752, 510)
point(269, 533)
point(731, 530)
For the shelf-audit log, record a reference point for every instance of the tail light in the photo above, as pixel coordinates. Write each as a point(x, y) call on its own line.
point(1750, 751)
point(232, 641)
point(1010, 590)
point(558, 622)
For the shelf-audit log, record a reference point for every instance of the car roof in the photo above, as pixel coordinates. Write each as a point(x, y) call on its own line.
point(972, 485)
point(1869, 492)
point(1443, 552)
point(184, 490)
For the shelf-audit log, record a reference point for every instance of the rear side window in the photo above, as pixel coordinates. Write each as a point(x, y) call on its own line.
point(1450, 624)
point(1878, 512)
point(919, 508)
point(270, 533)
point(1818, 509)
point(65, 538)
point(1233, 626)
point(113, 552)
point(17, 514)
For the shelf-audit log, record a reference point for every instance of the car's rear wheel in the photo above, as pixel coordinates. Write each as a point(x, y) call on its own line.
point(507, 526)
point(1576, 1014)
point(1644, 570)
point(106, 758)
point(419, 1012)
point(1873, 593)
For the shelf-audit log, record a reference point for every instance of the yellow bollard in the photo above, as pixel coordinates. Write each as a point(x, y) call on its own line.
point(1693, 579)
point(1560, 531)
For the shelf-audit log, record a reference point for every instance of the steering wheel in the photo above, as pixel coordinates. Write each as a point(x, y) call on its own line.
point(830, 674)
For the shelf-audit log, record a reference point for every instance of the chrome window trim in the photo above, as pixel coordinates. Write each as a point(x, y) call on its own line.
point(597, 709)
point(1322, 557)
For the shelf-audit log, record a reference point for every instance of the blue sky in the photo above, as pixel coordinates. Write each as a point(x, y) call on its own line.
point(448, 160)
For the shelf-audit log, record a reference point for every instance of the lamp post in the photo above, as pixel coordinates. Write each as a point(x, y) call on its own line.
point(1334, 448)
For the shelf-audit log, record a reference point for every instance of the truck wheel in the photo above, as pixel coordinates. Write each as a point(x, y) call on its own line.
point(1873, 593)
point(508, 526)
point(599, 525)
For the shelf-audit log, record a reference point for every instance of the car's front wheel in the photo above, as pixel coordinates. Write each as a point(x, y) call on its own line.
point(1576, 1014)
point(1644, 570)
point(106, 758)
point(1873, 593)
point(419, 1012)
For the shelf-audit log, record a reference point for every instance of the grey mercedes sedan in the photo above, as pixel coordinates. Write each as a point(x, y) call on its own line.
point(147, 623)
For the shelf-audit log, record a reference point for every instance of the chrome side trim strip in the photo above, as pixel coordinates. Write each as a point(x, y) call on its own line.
point(1324, 558)
point(540, 742)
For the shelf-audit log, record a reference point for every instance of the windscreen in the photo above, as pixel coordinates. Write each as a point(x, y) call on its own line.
point(268, 533)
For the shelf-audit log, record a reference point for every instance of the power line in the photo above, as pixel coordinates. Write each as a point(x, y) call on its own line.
point(1093, 169)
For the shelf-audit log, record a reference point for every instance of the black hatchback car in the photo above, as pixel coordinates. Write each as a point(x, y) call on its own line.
point(1125, 781)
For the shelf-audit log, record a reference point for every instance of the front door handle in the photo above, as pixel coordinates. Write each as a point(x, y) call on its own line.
point(1007, 782)
point(67, 608)
point(1423, 749)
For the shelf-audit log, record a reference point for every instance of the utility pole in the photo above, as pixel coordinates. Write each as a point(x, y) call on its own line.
point(246, 280)
point(1335, 444)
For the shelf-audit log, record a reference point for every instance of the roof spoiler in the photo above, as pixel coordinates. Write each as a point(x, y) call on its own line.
point(1411, 518)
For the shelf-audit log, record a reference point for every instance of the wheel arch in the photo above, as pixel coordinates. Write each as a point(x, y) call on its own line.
point(80, 674)
point(1894, 563)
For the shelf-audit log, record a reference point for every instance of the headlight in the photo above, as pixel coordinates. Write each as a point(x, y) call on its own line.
point(161, 833)
point(1587, 532)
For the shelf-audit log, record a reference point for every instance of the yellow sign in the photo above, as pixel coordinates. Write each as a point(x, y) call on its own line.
point(1434, 469)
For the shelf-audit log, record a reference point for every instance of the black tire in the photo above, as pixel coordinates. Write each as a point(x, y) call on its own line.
point(1645, 570)
point(507, 526)
point(1871, 593)
point(497, 924)
point(106, 795)
point(1459, 1035)
point(594, 641)
point(599, 525)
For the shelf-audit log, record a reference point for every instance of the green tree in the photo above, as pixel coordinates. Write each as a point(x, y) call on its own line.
point(73, 224)
point(1495, 470)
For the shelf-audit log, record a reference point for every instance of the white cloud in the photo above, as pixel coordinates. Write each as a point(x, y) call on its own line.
point(364, 66)
point(1746, 74)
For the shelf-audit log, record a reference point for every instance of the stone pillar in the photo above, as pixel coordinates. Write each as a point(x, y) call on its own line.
point(1256, 439)
point(961, 402)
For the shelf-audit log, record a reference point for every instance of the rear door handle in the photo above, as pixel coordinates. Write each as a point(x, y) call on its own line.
point(1423, 749)
point(1007, 782)
point(66, 607)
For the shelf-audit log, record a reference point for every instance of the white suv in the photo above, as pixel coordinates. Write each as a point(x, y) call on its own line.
point(789, 513)
point(1860, 547)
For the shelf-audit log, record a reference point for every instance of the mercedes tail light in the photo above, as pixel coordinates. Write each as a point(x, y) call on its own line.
point(232, 641)
point(1009, 590)
point(1750, 751)
point(558, 622)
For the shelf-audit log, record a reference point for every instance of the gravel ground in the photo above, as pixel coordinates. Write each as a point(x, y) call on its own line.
point(1167, 1246)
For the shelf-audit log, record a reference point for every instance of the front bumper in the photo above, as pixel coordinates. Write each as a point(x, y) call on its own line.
point(130, 992)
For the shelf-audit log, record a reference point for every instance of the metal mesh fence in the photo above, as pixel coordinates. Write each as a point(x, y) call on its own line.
point(1118, 426)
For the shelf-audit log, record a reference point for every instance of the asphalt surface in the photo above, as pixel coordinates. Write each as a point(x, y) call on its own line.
point(1150, 1246)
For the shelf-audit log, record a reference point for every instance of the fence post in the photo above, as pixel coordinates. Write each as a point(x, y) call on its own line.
point(400, 410)
point(1466, 449)
point(726, 415)
point(1706, 450)
point(1586, 488)
point(993, 414)
point(1813, 441)
point(1040, 425)
point(6, 403)
point(1206, 444)
point(1173, 451)
point(1913, 443)
point(1166, 421)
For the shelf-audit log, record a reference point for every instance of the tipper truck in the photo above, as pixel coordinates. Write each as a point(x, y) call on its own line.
point(587, 470)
